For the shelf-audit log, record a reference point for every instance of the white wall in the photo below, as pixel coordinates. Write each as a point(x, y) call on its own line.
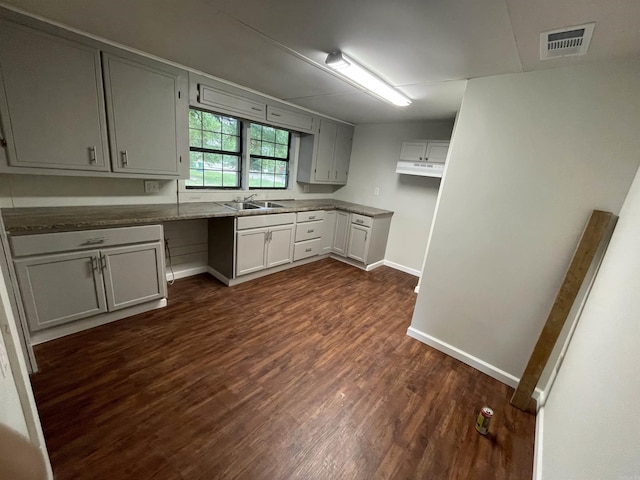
point(591, 422)
point(375, 153)
point(531, 156)
point(11, 413)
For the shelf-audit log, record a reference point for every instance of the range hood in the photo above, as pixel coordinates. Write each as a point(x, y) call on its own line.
point(424, 169)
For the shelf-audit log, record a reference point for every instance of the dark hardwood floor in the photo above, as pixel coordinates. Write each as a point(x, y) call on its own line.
point(305, 374)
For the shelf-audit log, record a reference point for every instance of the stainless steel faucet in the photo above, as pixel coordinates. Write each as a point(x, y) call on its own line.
point(250, 197)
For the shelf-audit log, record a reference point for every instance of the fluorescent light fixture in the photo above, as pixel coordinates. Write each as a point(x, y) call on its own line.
point(354, 72)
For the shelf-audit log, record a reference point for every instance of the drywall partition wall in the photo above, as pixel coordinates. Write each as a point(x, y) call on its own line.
point(591, 422)
point(375, 153)
point(532, 155)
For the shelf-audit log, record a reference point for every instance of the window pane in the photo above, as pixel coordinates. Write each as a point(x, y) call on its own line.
point(281, 151)
point(195, 138)
point(255, 148)
point(255, 165)
point(195, 159)
point(282, 137)
point(268, 134)
point(229, 179)
point(211, 140)
point(280, 167)
point(195, 119)
point(212, 178)
point(211, 122)
point(280, 181)
point(230, 126)
point(230, 162)
point(213, 161)
point(254, 179)
point(230, 143)
point(268, 149)
point(256, 132)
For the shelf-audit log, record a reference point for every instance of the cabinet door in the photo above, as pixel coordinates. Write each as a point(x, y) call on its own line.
point(146, 117)
point(251, 250)
point(296, 120)
point(133, 274)
point(342, 154)
point(358, 243)
point(413, 151)
point(60, 288)
point(437, 152)
point(280, 246)
point(51, 101)
point(325, 151)
point(231, 104)
point(328, 232)
point(341, 233)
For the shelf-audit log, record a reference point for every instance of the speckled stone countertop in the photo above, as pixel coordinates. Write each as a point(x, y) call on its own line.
point(24, 221)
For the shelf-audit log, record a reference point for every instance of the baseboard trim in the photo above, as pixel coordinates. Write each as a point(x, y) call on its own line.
point(402, 268)
point(417, 289)
point(187, 272)
point(374, 265)
point(469, 359)
point(87, 323)
point(538, 445)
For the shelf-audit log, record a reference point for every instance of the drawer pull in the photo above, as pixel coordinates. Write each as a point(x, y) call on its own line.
point(257, 109)
point(359, 221)
point(95, 241)
point(310, 231)
point(312, 217)
point(308, 249)
point(276, 114)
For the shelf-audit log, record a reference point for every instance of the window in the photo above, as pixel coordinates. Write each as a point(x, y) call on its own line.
point(215, 155)
point(269, 157)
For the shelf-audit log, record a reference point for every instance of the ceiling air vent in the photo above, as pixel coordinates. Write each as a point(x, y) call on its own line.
point(566, 41)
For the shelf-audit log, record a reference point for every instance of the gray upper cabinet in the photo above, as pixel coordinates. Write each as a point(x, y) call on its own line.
point(324, 157)
point(51, 101)
point(147, 116)
point(298, 121)
point(231, 104)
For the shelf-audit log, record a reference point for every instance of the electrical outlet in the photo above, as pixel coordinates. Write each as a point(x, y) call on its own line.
point(151, 186)
point(376, 191)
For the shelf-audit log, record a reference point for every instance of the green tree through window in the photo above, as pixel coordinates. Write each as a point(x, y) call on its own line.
point(269, 157)
point(215, 153)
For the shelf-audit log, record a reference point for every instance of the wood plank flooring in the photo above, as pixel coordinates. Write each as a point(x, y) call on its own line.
point(305, 374)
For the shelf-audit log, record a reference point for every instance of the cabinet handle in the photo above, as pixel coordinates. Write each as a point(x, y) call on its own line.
point(276, 114)
point(308, 249)
point(310, 231)
point(311, 217)
point(257, 109)
point(125, 159)
point(94, 264)
point(336, 174)
point(92, 154)
point(359, 221)
point(103, 261)
point(94, 241)
point(366, 235)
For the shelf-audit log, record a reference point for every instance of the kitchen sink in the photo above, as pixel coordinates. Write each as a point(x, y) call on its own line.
point(268, 204)
point(241, 205)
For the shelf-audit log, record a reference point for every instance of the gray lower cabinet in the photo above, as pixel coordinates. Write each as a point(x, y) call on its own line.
point(51, 101)
point(341, 233)
point(358, 242)
point(59, 286)
point(269, 245)
point(367, 238)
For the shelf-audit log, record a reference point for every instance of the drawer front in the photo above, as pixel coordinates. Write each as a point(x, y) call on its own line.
point(361, 220)
point(81, 240)
point(309, 230)
point(257, 221)
point(310, 216)
point(309, 248)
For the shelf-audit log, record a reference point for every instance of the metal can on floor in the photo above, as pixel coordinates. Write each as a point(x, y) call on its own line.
point(484, 419)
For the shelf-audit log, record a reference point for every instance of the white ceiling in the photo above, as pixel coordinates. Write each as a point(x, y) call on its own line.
point(426, 48)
